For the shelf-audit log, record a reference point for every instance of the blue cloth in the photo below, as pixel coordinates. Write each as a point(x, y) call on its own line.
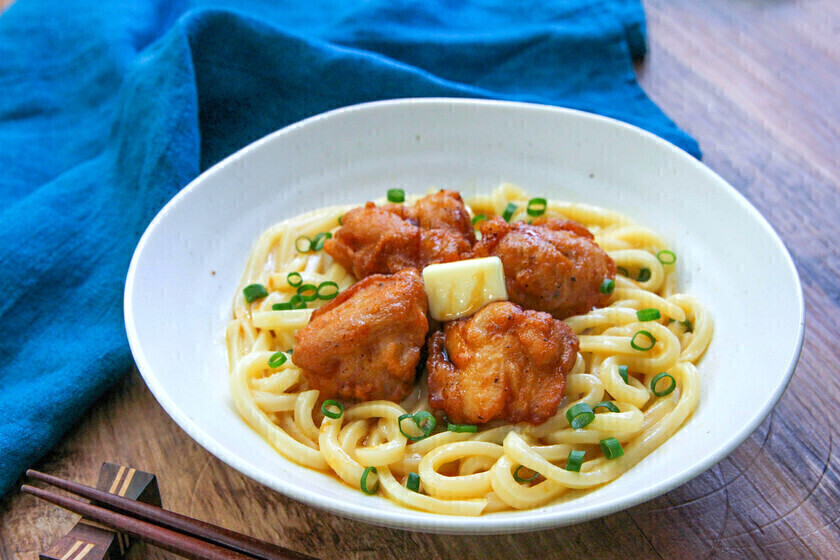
point(108, 108)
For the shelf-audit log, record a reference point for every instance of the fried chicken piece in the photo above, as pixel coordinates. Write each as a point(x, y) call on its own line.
point(366, 343)
point(503, 362)
point(386, 239)
point(551, 265)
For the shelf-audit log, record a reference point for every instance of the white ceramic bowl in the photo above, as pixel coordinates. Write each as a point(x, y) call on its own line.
point(187, 266)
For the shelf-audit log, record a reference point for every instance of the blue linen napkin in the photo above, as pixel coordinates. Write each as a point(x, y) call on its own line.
point(107, 109)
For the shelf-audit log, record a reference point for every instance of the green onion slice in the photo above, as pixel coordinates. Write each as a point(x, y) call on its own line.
point(297, 302)
point(645, 334)
point(580, 415)
point(622, 371)
point(363, 482)
point(666, 257)
point(519, 479)
point(644, 275)
point(308, 292)
point(285, 306)
point(341, 220)
point(509, 211)
point(688, 326)
point(624, 271)
point(612, 448)
point(413, 482)
point(277, 359)
point(396, 195)
point(609, 405)
point(649, 314)
point(536, 206)
point(575, 460)
point(253, 292)
point(327, 290)
point(464, 428)
point(424, 420)
point(303, 244)
point(319, 240)
point(479, 218)
point(325, 409)
point(294, 279)
point(668, 390)
point(607, 286)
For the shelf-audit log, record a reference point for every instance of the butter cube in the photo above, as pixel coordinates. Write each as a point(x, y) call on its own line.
point(459, 289)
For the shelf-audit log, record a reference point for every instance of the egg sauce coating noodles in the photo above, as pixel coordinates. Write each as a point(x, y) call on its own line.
point(645, 342)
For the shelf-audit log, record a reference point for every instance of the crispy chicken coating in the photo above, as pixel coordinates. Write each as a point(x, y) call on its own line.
point(503, 362)
point(366, 343)
point(551, 265)
point(386, 239)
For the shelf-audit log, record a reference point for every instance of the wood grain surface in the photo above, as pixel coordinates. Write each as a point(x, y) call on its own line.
point(757, 82)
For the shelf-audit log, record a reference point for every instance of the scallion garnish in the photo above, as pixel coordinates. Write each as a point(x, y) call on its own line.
point(297, 302)
point(607, 286)
point(666, 257)
point(668, 390)
point(612, 448)
point(649, 314)
point(575, 460)
point(687, 325)
point(308, 292)
point(645, 334)
point(253, 292)
point(423, 419)
point(622, 270)
point(536, 207)
point(644, 275)
point(276, 360)
point(294, 279)
point(363, 482)
point(609, 405)
point(303, 244)
point(325, 409)
point(479, 218)
point(509, 211)
point(622, 371)
point(327, 290)
point(341, 220)
point(396, 195)
point(284, 306)
point(319, 240)
point(519, 479)
point(413, 482)
point(580, 415)
point(464, 428)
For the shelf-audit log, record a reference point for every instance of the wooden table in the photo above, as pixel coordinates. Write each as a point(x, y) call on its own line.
point(757, 82)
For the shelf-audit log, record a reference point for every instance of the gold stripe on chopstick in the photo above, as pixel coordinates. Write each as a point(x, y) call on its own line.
point(84, 552)
point(72, 550)
point(128, 479)
point(116, 482)
point(95, 524)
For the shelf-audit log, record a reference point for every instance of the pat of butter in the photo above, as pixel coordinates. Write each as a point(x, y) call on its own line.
point(459, 289)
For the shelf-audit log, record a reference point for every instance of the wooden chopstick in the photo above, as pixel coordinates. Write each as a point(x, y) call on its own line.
point(164, 520)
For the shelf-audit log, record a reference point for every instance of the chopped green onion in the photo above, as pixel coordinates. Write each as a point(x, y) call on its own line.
point(644, 275)
point(303, 244)
point(666, 257)
point(575, 460)
point(536, 206)
point(294, 279)
point(479, 218)
point(308, 292)
point(325, 410)
point(319, 240)
point(341, 220)
point(413, 482)
point(328, 292)
point(687, 325)
point(509, 211)
point(464, 428)
point(363, 482)
point(607, 286)
point(646, 334)
point(668, 390)
point(612, 448)
point(396, 195)
point(253, 292)
point(622, 371)
point(297, 302)
point(519, 479)
point(284, 306)
point(624, 271)
point(649, 314)
point(609, 405)
point(276, 360)
point(423, 419)
point(580, 415)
